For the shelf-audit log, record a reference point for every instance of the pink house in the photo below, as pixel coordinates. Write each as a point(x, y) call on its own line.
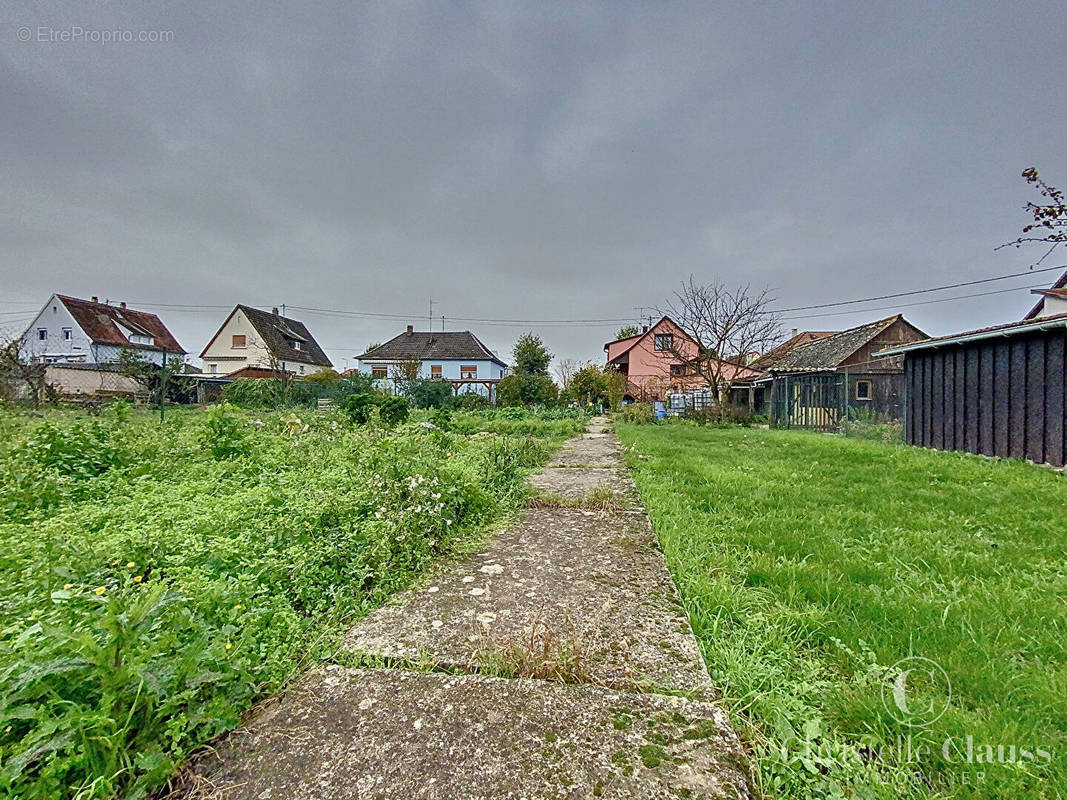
point(656, 362)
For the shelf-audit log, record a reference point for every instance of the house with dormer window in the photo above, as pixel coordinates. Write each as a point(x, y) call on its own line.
point(69, 330)
point(255, 340)
point(458, 357)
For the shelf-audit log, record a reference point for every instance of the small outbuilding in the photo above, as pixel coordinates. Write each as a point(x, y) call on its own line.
point(997, 391)
point(818, 379)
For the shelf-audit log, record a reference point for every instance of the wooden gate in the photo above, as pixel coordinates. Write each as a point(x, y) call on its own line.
point(815, 402)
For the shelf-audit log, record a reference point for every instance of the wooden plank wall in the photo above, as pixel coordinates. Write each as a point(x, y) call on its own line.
point(999, 397)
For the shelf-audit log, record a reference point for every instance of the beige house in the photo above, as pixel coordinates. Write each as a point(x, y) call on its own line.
point(252, 338)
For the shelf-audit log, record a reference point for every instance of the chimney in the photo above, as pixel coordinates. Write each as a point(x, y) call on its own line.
point(122, 305)
point(95, 299)
point(644, 329)
point(274, 311)
point(411, 330)
point(796, 331)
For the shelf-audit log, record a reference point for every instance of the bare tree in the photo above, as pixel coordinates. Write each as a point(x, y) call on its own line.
point(725, 325)
point(16, 371)
point(405, 373)
point(564, 370)
point(1050, 218)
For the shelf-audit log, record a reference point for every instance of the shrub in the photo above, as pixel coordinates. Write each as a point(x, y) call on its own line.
point(430, 394)
point(527, 390)
point(224, 435)
point(472, 401)
point(441, 418)
point(78, 451)
point(255, 392)
point(394, 410)
point(638, 414)
point(358, 407)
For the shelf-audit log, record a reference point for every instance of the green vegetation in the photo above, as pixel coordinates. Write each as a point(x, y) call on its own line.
point(810, 565)
point(274, 393)
point(158, 578)
point(594, 384)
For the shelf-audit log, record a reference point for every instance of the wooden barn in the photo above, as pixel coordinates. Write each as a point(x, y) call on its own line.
point(824, 377)
point(996, 391)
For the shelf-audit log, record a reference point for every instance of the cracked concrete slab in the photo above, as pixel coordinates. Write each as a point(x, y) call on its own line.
point(391, 734)
point(590, 450)
point(596, 581)
point(578, 484)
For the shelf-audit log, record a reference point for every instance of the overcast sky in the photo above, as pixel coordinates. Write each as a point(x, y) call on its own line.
point(571, 161)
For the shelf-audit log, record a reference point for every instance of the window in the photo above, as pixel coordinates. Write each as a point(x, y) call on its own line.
point(677, 369)
point(296, 345)
point(68, 334)
point(379, 371)
point(435, 371)
point(212, 368)
point(863, 390)
point(468, 371)
point(301, 369)
point(663, 341)
point(239, 340)
point(42, 334)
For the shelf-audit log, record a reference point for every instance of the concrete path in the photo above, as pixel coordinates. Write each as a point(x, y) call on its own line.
point(543, 667)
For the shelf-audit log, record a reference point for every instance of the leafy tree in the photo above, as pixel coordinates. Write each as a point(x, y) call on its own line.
point(588, 384)
point(614, 388)
point(627, 332)
point(526, 390)
point(531, 356)
point(151, 376)
point(15, 370)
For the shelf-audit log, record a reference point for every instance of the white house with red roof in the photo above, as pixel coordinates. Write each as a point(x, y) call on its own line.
point(68, 330)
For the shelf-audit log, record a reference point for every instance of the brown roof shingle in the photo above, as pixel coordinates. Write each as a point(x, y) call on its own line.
point(277, 333)
point(769, 358)
point(830, 351)
point(428, 345)
point(101, 322)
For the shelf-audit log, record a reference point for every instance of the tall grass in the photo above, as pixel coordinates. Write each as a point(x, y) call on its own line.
point(810, 565)
point(159, 578)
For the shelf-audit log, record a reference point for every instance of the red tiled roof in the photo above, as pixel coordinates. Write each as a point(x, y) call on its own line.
point(101, 323)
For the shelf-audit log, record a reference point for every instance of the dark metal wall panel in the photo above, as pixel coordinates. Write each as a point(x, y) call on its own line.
point(1017, 399)
point(986, 398)
point(1034, 401)
point(937, 399)
point(1055, 389)
point(959, 400)
point(973, 355)
point(1003, 397)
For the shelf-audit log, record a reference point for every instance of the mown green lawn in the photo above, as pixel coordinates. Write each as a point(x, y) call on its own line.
point(811, 565)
